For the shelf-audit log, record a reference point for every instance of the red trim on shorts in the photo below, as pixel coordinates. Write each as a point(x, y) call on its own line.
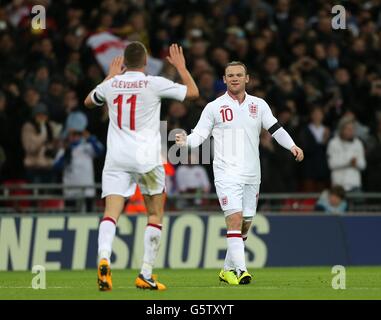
point(109, 219)
point(154, 225)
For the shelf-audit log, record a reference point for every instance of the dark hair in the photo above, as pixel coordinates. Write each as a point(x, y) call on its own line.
point(236, 63)
point(337, 191)
point(316, 107)
point(135, 55)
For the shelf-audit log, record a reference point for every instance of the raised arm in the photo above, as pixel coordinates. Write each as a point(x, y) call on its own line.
point(116, 67)
point(176, 58)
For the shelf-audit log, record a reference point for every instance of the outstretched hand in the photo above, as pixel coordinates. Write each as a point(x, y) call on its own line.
point(176, 56)
point(181, 139)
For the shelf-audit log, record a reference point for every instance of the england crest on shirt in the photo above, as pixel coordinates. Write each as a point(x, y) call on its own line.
point(253, 110)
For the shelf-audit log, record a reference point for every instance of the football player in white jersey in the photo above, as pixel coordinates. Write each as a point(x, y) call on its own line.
point(134, 149)
point(235, 121)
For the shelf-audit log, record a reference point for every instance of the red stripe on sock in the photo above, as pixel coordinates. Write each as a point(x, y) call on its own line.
point(154, 225)
point(233, 235)
point(109, 219)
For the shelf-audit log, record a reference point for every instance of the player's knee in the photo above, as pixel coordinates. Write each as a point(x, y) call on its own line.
point(234, 221)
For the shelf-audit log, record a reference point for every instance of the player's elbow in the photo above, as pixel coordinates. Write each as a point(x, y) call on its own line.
point(193, 93)
point(88, 103)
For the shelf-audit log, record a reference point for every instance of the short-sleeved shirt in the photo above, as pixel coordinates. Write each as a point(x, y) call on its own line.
point(134, 101)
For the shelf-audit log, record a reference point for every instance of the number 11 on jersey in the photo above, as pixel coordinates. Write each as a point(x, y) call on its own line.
point(132, 101)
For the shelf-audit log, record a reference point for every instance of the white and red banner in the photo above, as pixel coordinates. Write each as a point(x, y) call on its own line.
point(106, 46)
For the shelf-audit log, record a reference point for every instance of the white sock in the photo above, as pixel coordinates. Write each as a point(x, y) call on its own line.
point(151, 247)
point(106, 236)
point(236, 250)
point(228, 264)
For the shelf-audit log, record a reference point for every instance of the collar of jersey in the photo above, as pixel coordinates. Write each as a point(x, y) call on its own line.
point(243, 102)
point(137, 72)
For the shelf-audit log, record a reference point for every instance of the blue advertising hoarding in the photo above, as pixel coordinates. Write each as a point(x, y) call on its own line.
point(189, 241)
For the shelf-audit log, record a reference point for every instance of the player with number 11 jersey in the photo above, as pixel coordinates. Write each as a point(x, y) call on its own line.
point(134, 101)
point(133, 150)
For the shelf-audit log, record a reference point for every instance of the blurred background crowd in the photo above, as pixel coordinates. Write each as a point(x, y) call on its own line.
point(323, 85)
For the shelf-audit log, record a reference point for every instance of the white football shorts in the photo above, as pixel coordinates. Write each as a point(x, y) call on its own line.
point(238, 197)
point(124, 183)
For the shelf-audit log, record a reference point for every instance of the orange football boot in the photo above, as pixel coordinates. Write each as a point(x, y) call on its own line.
point(151, 284)
point(104, 276)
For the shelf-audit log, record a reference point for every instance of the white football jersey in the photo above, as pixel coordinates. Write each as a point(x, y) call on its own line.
point(235, 128)
point(134, 101)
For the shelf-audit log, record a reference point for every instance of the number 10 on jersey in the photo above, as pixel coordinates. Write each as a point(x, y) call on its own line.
point(227, 114)
point(132, 102)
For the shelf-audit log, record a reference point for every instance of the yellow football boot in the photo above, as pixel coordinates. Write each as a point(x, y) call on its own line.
point(244, 278)
point(228, 276)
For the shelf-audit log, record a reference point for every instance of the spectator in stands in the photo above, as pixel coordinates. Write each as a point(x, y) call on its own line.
point(332, 201)
point(31, 99)
point(270, 69)
point(39, 139)
point(343, 81)
point(206, 85)
point(55, 100)
point(40, 79)
point(285, 94)
point(4, 121)
point(177, 116)
point(361, 131)
point(332, 61)
point(339, 70)
point(76, 160)
point(220, 58)
point(70, 101)
point(11, 121)
point(373, 101)
point(3, 131)
point(373, 181)
point(2, 161)
point(273, 159)
point(334, 107)
point(313, 139)
point(346, 157)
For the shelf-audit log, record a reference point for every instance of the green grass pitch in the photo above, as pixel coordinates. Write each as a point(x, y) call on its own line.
point(203, 284)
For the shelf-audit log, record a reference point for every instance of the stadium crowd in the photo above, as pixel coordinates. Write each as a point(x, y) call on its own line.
point(323, 85)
